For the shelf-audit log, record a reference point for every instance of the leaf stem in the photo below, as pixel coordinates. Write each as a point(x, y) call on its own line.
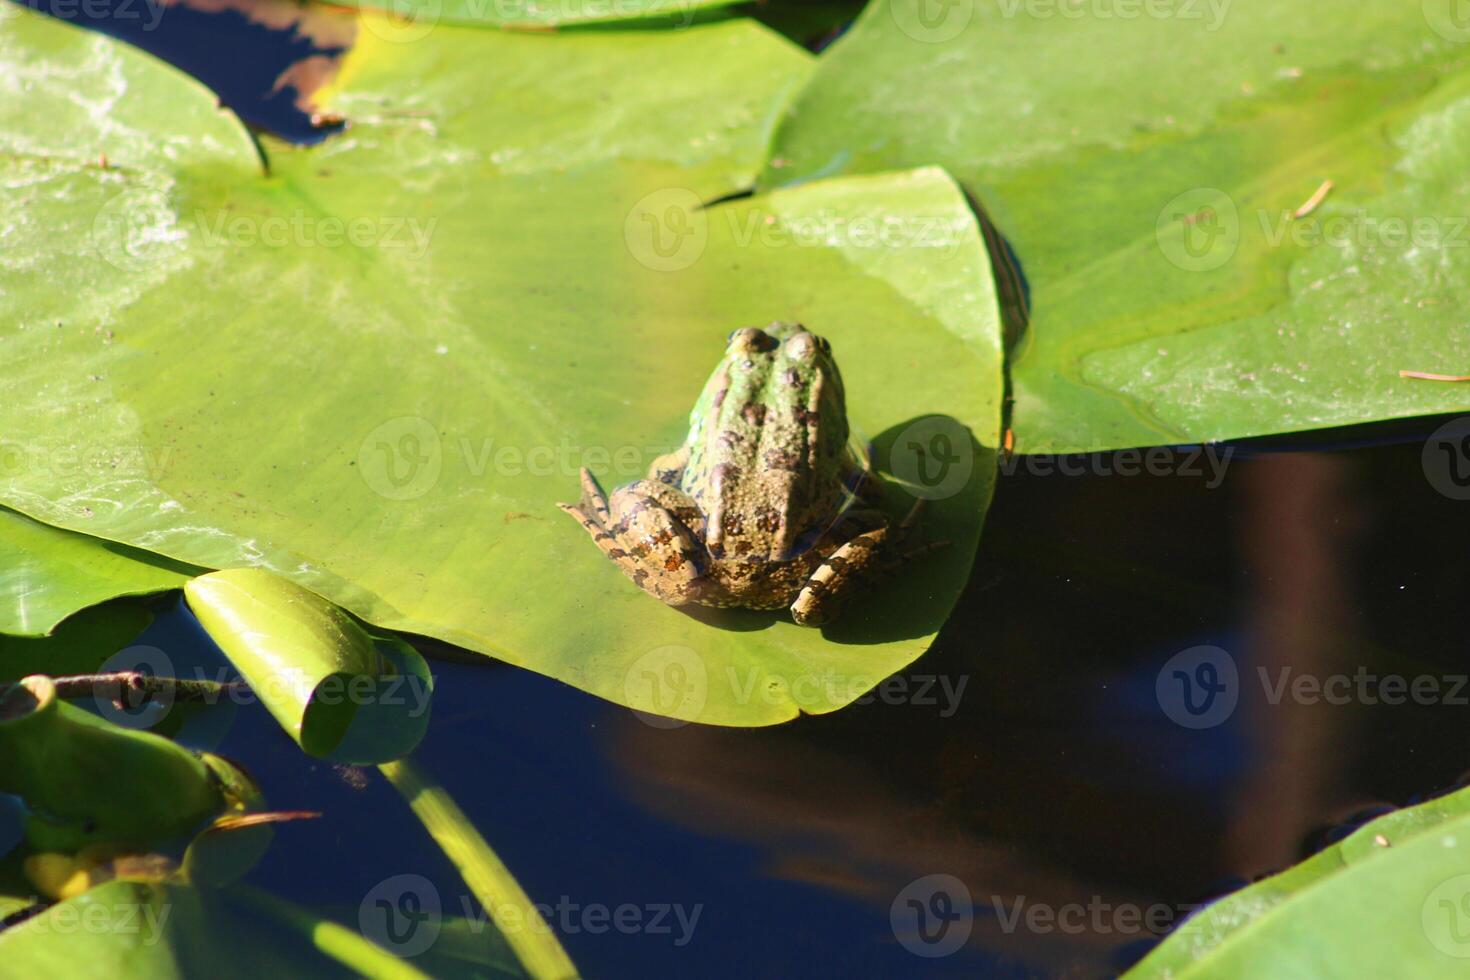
point(533, 942)
point(340, 943)
point(134, 683)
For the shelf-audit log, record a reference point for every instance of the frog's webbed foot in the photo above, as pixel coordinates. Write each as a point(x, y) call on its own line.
point(857, 563)
point(643, 529)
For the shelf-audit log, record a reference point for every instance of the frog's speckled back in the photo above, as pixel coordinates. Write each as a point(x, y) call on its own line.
point(768, 441)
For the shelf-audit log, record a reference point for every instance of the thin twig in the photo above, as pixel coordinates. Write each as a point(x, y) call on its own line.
point(1318, 196)
point(1426, 376)
point(136, 684)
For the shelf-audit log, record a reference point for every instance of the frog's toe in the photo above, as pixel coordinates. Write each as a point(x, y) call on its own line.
point(590, 524)
point(594, 500)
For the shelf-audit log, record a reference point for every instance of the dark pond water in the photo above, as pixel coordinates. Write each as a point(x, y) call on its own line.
point(1065, 752)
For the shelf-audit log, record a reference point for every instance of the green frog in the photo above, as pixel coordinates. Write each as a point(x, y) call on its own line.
point(766, 505)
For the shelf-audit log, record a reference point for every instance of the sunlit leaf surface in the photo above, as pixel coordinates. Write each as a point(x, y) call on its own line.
point(376, 368)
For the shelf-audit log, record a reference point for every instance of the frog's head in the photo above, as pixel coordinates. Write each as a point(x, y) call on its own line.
point(785, 346)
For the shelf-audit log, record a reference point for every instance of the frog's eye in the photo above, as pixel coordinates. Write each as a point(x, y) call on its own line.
point(750, 339)
point(804, 346)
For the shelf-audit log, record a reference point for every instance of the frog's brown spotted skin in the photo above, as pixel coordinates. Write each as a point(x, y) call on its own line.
point(753, 509)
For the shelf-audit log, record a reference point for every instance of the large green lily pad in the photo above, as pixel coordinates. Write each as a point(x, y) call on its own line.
point(376, 369)
point(1390, 900)
point(46, 574)
point(1145, 161)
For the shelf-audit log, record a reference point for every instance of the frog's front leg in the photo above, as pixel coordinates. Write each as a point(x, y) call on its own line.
point(650, 530)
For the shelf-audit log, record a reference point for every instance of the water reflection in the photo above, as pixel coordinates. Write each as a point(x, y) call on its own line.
point(1060, 781)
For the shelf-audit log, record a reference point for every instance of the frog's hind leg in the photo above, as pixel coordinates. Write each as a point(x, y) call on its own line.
point(642, 529)
point(837, 577)
point(865, 557)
